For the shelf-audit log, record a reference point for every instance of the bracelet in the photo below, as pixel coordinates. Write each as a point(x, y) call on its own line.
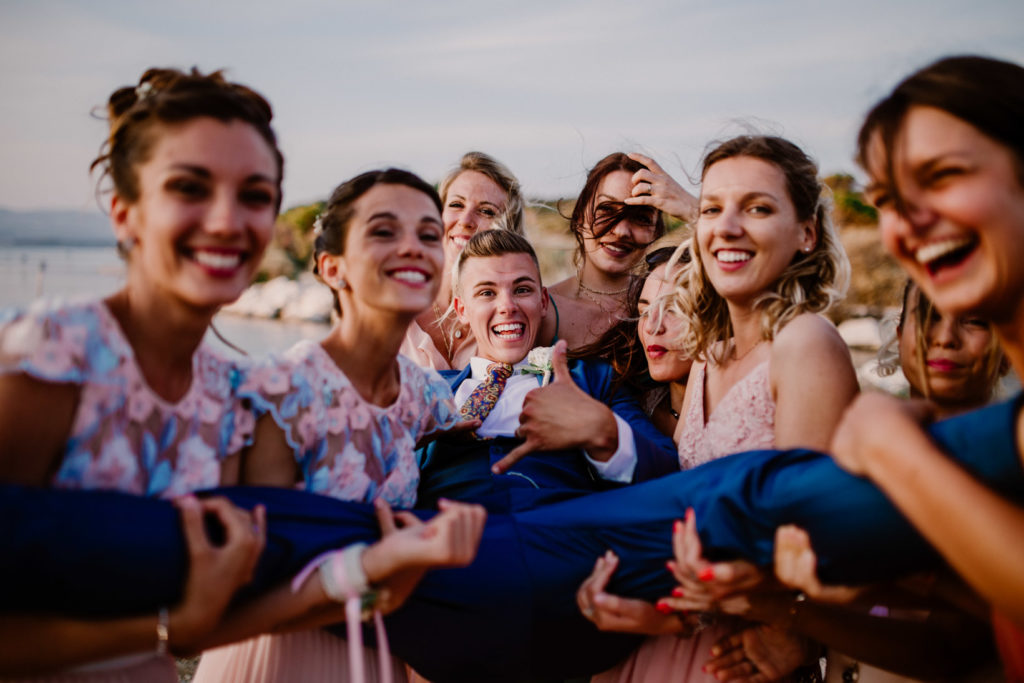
point(798, 600)
point(163, 622)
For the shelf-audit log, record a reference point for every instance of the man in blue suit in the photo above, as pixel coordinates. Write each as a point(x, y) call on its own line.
point(533, 443)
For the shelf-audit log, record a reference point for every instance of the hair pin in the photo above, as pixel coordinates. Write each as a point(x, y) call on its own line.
point(143, 90)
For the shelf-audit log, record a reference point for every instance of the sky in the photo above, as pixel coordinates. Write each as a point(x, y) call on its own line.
point(548, 87)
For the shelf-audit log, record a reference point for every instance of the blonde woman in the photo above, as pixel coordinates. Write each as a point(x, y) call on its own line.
point(479, 194)
point(771, 372)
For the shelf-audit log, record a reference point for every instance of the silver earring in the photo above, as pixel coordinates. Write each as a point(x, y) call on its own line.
point(807, 250)
point(125, 246)
point(341, 284)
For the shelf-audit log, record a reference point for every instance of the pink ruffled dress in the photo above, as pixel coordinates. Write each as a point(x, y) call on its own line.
point(743, 420)
point(348, 449)
point(124, 436)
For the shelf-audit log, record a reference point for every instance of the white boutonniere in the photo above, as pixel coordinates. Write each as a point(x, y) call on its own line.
point(539, 360)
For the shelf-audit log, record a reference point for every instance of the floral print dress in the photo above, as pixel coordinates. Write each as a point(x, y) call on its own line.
point(348, 449)
point(125, 437)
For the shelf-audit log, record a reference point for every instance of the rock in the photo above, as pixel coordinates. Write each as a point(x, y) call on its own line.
point(860, 333)
point(895, 384)
point(302, 299)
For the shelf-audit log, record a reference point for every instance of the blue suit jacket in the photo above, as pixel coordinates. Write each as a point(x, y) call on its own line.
point(460, 469)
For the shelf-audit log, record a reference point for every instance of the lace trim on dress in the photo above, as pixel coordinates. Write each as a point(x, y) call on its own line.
point(743, 420)
point(346, 447)
point(124, 436)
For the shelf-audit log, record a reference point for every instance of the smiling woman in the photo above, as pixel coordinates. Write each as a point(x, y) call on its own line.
point(122, 394)
point(477, 195)
point(611, 236)
point(341, 418)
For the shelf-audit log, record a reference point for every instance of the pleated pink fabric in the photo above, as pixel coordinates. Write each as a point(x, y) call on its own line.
point(148, 669)
point(744, 419)
point(308, 656)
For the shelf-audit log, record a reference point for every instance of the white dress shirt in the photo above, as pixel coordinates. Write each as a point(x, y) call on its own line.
point(503, 419)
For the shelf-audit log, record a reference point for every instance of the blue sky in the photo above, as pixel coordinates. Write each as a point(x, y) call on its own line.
point(548, 87)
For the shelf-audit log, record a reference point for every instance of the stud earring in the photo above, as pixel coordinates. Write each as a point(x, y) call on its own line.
point(341, 284)
point(125, 246)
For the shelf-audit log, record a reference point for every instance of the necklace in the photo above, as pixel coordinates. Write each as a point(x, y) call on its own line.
point(738, 357)
point(617, 292)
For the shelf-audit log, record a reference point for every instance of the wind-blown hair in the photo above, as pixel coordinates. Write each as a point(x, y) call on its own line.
point(811, 283)
point(585, 212)
point(620, 345)
point(511, 218)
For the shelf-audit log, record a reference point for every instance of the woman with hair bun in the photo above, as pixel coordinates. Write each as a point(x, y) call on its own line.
point(481, 193)
point(342, 418)
point(135, 400)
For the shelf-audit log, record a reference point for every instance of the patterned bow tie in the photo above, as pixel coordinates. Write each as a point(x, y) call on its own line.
point(485, 396)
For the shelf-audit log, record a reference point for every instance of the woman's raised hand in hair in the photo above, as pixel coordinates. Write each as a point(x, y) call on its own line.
point(652, 186)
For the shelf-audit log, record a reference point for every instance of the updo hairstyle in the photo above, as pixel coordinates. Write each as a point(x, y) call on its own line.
point(168, 97)
point(331, 227)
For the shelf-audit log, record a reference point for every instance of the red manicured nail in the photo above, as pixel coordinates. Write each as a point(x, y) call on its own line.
point(668, 566)
point(706, 574)
point(663, 607)
point(677, 526)
point(677, 592)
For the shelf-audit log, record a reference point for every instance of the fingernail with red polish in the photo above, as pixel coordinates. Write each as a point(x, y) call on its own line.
point(663, 607)
point(677, 526)
point(706, 574)
point(677, 592)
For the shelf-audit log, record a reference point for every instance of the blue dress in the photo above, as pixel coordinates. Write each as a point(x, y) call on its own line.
point(510, 615)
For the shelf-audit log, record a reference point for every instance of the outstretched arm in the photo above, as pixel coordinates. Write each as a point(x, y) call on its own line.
point(974, 528)
point(393, 565)
point(924, 635)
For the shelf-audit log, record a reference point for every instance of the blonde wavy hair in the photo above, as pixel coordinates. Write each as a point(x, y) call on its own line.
point(812, 282)
point(511, 218)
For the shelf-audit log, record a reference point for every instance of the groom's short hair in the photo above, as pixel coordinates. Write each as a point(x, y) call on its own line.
point(492, 243)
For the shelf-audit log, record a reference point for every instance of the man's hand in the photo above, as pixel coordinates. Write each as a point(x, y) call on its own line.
point(561, 416)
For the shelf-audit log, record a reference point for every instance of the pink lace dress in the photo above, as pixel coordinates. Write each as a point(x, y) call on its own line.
point(346, 448)
point(743, 420)
point(124, 436)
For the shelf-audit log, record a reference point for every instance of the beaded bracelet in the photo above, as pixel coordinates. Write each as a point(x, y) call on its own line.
point(343, 579)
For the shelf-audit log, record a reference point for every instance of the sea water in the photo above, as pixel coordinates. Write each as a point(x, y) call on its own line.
point(68, 272)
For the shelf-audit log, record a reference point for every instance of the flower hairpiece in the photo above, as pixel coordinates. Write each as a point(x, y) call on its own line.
point(143, 90)
point(318, 224)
